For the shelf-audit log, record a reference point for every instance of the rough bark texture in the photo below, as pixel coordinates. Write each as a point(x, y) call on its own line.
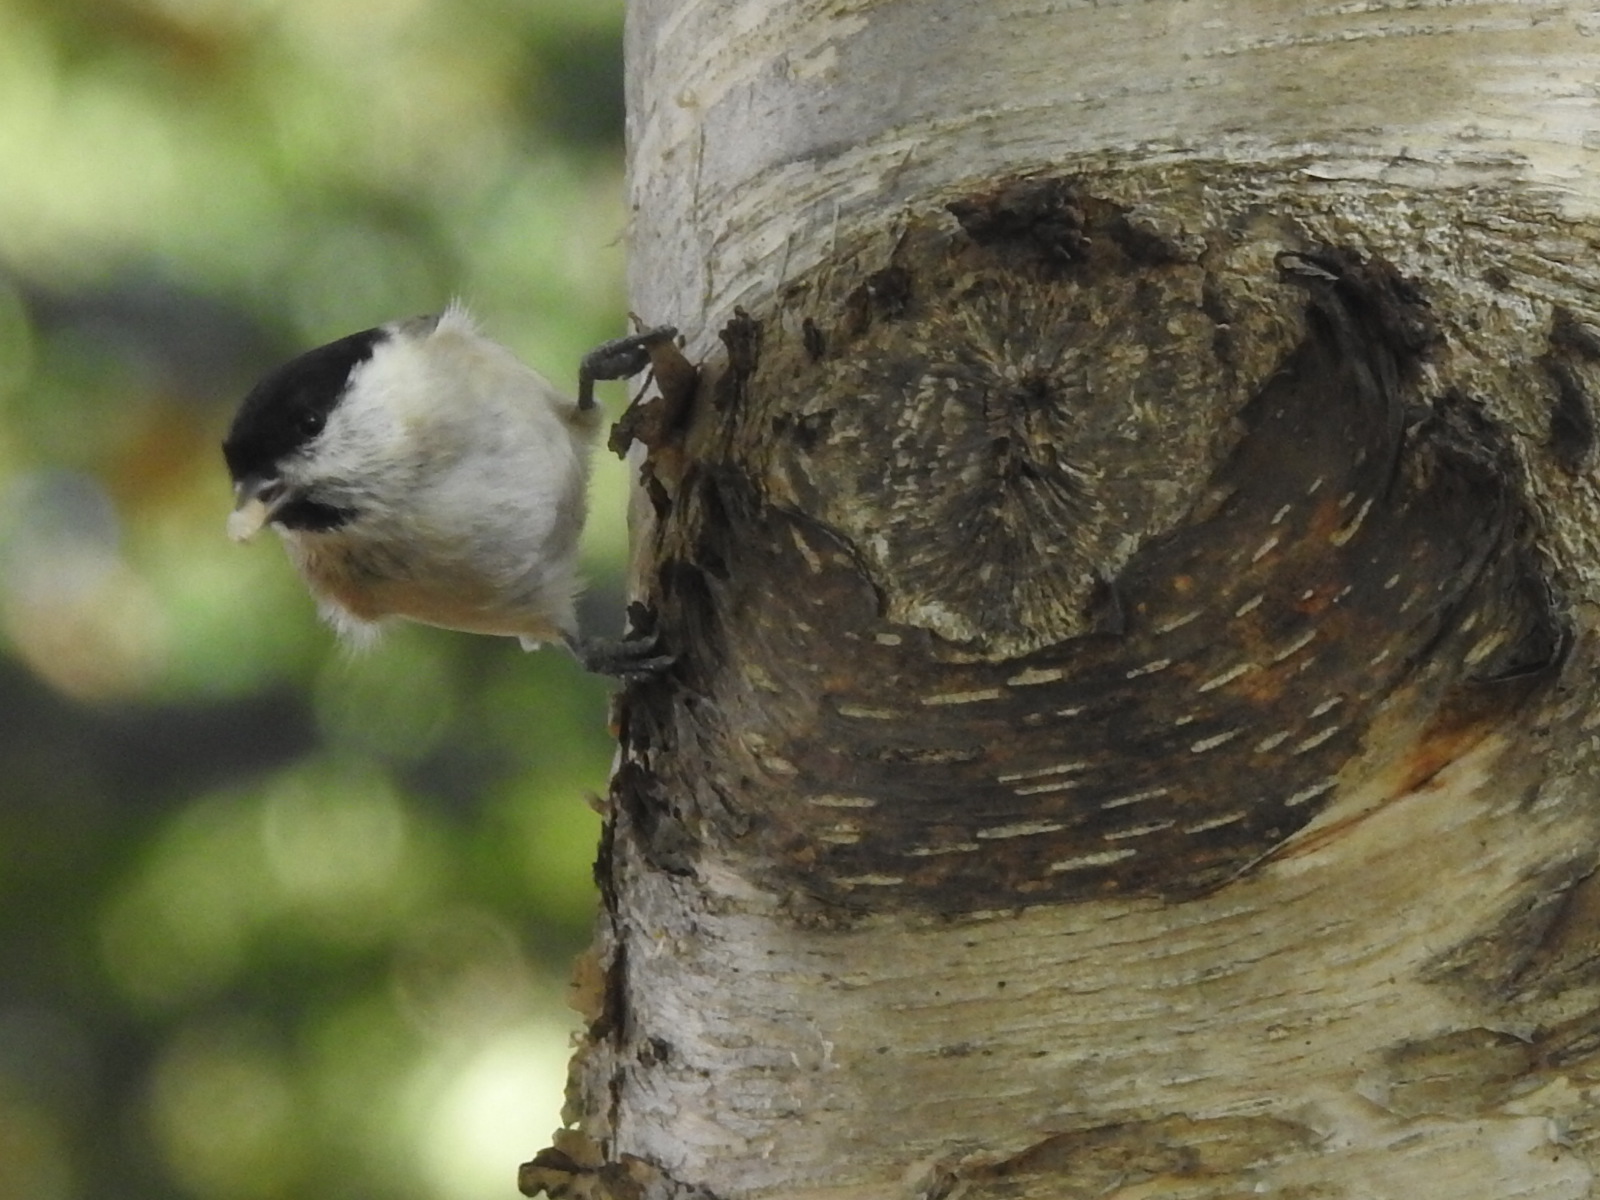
point(1133, 729)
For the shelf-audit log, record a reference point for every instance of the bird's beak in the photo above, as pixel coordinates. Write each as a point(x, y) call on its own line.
point(254, 503)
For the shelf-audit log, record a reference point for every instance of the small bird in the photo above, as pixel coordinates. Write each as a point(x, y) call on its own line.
point(421, 471)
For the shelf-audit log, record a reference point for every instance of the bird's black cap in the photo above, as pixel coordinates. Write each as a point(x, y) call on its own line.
point(288, 408)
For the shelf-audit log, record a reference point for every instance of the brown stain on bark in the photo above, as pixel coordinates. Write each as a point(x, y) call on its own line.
point(1206, 1159)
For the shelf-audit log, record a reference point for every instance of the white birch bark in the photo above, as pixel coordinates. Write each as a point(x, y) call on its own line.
point(1397, 998)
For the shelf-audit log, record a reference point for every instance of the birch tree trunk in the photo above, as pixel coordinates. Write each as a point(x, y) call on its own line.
point(1132, 559)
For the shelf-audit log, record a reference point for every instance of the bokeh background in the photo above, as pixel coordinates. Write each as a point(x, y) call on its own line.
point(276, 921)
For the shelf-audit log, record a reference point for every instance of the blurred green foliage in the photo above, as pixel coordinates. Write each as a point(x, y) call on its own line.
point(276, 921)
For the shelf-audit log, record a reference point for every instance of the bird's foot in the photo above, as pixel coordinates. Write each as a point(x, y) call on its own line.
point(631, 658)
point(619, 358)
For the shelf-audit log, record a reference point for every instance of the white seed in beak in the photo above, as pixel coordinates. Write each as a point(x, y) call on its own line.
point(256, 500)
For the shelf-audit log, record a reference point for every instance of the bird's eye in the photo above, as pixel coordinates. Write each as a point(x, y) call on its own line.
point(311, 422)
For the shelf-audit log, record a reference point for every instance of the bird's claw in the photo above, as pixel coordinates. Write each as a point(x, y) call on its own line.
point(619, 358)
point(630, 658)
